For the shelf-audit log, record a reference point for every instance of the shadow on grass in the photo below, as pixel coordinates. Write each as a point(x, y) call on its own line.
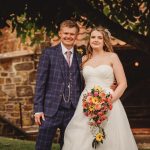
point(15, 144)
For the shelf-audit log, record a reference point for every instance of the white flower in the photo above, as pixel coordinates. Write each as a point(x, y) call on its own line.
point(107, 31)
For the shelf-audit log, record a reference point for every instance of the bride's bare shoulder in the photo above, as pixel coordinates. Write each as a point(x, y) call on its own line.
point(112, 55)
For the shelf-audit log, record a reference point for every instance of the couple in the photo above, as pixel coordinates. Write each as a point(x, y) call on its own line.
point(58, 97)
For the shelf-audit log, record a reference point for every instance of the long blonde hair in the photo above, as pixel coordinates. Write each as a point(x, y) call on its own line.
point(107, 44)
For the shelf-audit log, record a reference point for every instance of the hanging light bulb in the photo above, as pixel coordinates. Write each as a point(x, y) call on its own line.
point(136, 64)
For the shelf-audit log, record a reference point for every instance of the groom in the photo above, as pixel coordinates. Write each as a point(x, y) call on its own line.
point(58, 86)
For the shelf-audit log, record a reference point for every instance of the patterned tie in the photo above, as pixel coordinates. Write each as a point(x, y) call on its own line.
point(68, 54)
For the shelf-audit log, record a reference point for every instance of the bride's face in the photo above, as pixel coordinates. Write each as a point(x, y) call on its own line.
point(96, 40)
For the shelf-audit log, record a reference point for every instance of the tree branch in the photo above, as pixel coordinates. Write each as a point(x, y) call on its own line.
point(84, 7)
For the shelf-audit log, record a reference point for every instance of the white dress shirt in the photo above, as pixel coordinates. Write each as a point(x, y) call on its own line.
point(64, 50)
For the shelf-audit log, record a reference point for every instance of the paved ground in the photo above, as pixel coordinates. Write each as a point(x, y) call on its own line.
point(142, 136)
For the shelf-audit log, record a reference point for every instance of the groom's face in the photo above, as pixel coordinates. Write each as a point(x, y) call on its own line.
point(68, 36)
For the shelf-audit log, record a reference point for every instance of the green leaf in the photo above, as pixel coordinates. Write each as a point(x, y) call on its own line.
point(106, 10)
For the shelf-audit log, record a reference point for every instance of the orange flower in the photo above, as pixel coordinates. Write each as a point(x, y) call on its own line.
point(84, 104)
point(110, 107)
point(97, 107)
point(102, 94)
point(89, 98)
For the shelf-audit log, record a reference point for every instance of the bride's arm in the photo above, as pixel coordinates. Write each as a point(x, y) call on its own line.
point(120, 77)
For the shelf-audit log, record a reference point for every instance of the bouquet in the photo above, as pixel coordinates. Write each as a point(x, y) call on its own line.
point(96, 105)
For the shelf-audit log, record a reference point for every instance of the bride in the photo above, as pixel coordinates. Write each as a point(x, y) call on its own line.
point(100, 67)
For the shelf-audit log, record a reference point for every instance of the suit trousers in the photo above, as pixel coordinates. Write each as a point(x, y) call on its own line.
point(48, 128)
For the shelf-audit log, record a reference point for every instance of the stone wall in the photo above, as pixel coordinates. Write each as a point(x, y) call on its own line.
point(17, 82)
point(17, 77)
point(17, 87)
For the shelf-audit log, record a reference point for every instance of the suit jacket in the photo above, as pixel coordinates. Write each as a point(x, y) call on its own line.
point(50, 81)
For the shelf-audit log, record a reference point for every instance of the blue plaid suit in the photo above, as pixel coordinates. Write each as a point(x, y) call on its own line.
point(48, 95)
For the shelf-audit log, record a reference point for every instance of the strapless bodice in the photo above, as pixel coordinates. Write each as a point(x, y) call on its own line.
point(101, 75)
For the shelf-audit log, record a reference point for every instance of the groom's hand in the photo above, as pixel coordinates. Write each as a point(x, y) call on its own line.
point(38, 117)
point(114, 85)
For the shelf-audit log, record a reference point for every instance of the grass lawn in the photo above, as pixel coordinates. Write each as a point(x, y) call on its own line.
point(15, 144)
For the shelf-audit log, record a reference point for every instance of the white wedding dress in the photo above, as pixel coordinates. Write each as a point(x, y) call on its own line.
point(118, 133)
